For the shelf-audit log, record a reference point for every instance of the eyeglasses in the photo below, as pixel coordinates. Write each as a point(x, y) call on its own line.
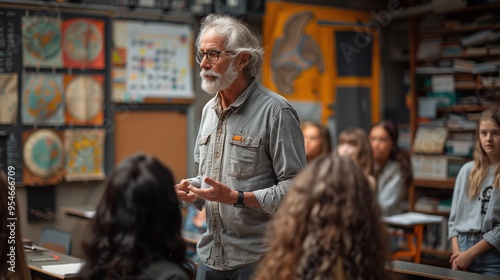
point(212, 56)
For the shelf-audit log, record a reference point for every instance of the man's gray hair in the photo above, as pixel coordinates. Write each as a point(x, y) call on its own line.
point(238, 37)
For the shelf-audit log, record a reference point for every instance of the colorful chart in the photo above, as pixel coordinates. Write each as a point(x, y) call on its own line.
point(158, 61)
point(41, 42)
point(43, 154)
point(83, 43)
point(8, 98)
point(42, 99)
point(85, 154)
point(84, 99)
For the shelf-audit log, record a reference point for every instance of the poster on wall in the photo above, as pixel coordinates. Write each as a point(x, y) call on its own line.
point(42, 41)
point(42, 99)
point(159, 57)
point(10, 41)
point(8, 98)
point(84, 99)
point(83, 43)
point(85, 154)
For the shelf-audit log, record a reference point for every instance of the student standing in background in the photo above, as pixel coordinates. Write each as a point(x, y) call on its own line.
point(392, 168)
point(317, 140)
point(329, 227)
point(474, 223)
point(248, 150)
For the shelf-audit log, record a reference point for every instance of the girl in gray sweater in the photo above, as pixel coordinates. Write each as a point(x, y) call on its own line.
point(474, 224)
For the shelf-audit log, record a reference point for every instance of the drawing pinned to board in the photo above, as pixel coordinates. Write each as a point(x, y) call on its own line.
point(85, 154)
point(43, 156)
point(42, 99)
point(41, 42)
point(84, 98)
point(8, 98)
point(83, 43)
point(158, 61)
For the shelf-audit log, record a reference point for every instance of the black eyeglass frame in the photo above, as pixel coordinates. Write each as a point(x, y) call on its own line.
point(198, 56)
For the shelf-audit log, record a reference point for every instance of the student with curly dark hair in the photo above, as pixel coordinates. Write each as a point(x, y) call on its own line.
point(328, 227)
point(16, 268)
point(136, 232)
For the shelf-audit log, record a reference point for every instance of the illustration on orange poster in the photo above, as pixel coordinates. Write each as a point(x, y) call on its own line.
point(83, 43)
point(41, 42)
point(43, 157)
point(84, 99)
point(42, 99)
point(295, 52)
point(85, 154)
point(8, 98)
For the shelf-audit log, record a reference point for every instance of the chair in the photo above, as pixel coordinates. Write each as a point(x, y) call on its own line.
point(56, 240)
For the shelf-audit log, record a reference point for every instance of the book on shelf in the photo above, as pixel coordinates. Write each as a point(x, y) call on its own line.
point(477, 39)
point(463, 65)
point(430, 167)
point(475, 51)
point(426, 204)
point(430, 140)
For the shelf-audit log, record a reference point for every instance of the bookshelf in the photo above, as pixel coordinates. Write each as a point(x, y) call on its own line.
point(454, 76)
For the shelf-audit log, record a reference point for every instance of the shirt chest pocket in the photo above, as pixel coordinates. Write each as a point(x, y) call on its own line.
point(243, 155)
point(204, 153)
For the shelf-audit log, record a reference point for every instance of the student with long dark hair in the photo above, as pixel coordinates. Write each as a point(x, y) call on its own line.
point(392, 168)
point(136, 232)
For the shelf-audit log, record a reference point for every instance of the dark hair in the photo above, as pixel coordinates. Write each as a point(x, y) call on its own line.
point(8, 198)
point(137, 222)
point(400, 156)
point(329, 216)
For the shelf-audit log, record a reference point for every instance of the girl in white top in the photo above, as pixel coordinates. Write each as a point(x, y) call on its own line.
point(392, 167)
point(474, 224)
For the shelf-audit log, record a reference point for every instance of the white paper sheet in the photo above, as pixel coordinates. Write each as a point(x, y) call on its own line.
point(413, 218)
point(63, 269)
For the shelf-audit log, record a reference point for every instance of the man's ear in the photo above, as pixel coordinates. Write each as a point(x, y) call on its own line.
point(243, 59)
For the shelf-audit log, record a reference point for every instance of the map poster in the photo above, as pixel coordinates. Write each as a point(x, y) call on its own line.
point(42, 99)
point(84, 99)
point(83, 43)
point(85, 154)
point(43, 157)
point(41, 42)
point(8, 98)
point(159, 58)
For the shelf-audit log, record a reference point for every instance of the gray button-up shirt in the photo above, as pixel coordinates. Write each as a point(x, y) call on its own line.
point(255, 145)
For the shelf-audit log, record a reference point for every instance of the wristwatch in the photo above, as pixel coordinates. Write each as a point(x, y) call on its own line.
point(239, 203)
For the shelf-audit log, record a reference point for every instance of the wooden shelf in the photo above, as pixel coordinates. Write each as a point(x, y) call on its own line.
point(442, 184)
point(439, 58)
point(464, 108)
point(461, 29)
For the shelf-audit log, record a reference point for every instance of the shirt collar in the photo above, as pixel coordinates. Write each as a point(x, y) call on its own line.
point(240, 101)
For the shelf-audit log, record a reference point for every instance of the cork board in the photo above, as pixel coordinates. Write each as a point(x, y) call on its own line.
point(162, 134)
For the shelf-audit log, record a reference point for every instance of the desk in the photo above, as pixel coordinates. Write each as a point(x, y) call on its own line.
point(419, 271)
point(412, 224)
point(84, 212)
point(36, 266)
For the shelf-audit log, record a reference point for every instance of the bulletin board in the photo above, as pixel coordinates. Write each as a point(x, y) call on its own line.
point(161, 133)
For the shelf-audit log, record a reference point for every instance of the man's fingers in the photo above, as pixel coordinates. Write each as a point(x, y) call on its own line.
point(211, 182)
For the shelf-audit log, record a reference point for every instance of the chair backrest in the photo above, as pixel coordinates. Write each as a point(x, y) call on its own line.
point(56, 240)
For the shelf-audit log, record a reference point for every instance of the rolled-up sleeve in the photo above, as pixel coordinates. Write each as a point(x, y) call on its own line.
point(491, 225)
point(286, 148)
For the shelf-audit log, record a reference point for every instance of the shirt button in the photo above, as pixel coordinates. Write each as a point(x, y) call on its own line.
point(217, 154)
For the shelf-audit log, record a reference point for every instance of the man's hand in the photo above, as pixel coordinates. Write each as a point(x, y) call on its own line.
point(217, 192)
point(184, 193)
